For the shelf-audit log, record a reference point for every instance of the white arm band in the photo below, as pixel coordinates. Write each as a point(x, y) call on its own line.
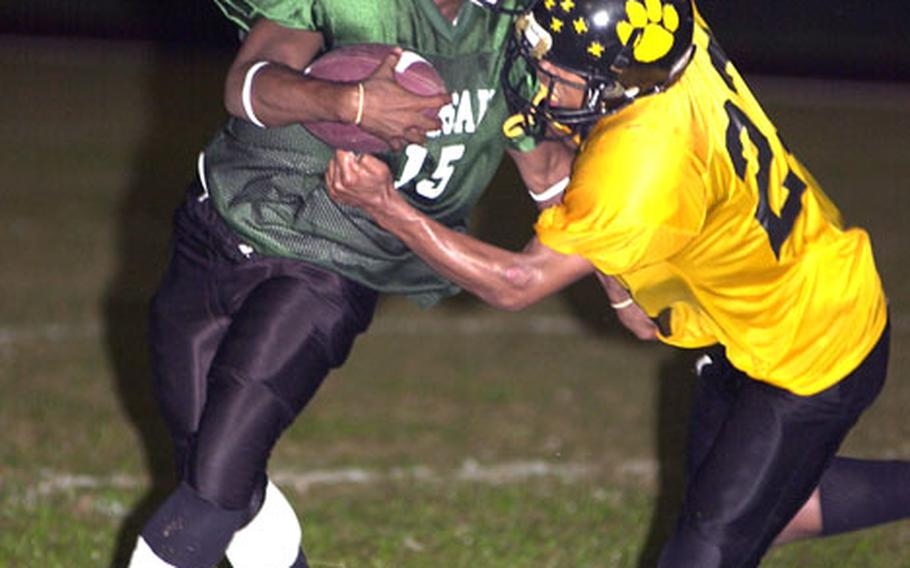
point(623, 304)
point(551, 192)
point(247, 94)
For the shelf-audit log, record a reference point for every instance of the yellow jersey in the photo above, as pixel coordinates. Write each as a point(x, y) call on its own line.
point(692, 200)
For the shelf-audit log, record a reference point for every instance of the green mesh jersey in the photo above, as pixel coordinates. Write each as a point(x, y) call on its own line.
point(268, 183)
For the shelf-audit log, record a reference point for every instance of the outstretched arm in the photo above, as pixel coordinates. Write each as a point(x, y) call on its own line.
point(507, 280)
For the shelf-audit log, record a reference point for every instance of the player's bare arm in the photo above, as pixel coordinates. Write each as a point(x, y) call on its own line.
point(280, 94)
point(630, 314)
point(545, 168)
point(504, 279)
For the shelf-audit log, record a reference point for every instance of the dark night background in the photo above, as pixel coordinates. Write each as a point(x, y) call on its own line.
point(855, 39)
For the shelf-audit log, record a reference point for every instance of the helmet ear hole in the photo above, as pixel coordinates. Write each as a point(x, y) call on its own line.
point(646, 79)
point(611, 90)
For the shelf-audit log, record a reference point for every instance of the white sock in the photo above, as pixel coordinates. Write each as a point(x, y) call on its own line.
point(144, 557)
point(271, 539)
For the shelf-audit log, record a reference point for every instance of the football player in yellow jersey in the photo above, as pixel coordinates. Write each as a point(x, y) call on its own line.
point(688, 204)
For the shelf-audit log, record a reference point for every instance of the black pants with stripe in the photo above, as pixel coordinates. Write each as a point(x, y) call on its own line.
point(756, 453)
point(239, 346)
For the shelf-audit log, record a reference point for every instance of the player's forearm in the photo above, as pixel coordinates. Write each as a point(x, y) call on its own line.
point(501, 278)
point(278, 96)
point(266, 83)
point(508, 280)
point(545, 171)
point(615, 291)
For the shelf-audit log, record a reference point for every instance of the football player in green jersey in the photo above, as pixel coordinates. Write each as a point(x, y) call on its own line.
point(270, 281)
point(683, 189)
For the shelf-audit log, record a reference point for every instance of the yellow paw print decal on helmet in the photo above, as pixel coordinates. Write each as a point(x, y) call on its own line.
point(657, 23)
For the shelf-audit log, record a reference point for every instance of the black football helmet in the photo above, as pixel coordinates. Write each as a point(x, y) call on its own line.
point(621, 49)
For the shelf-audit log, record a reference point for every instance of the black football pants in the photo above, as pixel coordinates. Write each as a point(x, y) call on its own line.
point(755, 455)
point(239, 346)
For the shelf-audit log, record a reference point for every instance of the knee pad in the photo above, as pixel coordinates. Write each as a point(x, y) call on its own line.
point(271, 539)
point(186, 532)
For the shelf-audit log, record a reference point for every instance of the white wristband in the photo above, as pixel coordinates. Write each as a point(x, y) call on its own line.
point(551, 191)
point(622, 305)
point(247, 93)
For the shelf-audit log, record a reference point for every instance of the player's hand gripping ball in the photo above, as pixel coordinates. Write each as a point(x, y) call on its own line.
point(355, 63)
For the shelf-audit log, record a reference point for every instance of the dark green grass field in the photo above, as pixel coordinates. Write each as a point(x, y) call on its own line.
point(455, 437)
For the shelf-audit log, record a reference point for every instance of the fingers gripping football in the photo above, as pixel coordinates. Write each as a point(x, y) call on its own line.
point(397, 97)
point(394, 113)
